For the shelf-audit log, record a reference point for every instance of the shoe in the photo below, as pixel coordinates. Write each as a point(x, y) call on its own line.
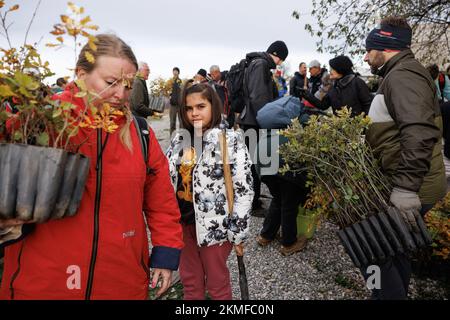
point(298, 245)
point(262, 241)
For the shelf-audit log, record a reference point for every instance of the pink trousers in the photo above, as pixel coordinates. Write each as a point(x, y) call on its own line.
point(204, 268)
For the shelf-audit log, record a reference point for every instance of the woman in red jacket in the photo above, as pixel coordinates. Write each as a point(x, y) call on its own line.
point(102, 252)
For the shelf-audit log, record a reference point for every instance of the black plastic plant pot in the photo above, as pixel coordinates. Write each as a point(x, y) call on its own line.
point(51, 171)
point(356, 246)
point(364, 243)
point(402, 229)
point(390, 233)
point(348, 248)
point(27, 182)
point(82, 175)
point(373, 241)
point(424, 231)
point(379, 235)
point(67, 186)
point(418, 240)
point(9, 174)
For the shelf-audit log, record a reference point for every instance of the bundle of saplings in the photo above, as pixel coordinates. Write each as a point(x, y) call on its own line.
point(341, 167)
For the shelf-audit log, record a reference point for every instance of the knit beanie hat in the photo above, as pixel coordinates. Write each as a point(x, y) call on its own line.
point(342, 65)
point(202, 72)
point(388, 37)
point(278, 49)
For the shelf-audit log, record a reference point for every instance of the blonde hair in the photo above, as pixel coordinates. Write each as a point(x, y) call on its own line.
point(125, 134)
point(112, 46)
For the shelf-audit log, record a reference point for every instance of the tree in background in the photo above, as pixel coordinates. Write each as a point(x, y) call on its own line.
point(160, 87)
point(342, 25)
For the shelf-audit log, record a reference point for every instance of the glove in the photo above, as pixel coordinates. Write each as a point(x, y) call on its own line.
point(409, 205)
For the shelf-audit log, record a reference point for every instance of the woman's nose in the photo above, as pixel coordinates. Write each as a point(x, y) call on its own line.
point(120, 92)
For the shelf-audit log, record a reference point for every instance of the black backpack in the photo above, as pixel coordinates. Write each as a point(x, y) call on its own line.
point(235, 85)
point(223, 94)
point(144, 137)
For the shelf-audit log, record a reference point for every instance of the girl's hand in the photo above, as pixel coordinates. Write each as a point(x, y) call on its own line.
point(239, 248)
point(166, 276)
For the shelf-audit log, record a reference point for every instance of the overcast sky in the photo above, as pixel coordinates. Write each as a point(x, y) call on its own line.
point(189, 34)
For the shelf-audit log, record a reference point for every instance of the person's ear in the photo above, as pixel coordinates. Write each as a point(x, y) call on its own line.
point(81, 73)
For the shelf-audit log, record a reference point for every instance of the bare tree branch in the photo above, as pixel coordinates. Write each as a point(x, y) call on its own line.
point(341, 25)
point(31, 22)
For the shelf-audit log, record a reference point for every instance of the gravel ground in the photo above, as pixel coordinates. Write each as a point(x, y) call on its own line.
point(322, 271)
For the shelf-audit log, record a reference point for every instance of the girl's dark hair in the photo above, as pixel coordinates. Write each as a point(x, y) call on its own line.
point(208, 93)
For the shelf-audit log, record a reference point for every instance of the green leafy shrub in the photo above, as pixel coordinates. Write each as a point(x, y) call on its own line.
point(341, 167)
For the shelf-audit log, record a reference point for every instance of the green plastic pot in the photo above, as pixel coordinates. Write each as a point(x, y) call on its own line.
point(306, 223)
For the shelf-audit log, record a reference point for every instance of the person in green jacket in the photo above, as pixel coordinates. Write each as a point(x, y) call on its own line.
point(139, 98)
point(405, 135)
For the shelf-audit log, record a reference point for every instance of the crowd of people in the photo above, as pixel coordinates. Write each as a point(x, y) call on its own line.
point(184, 196)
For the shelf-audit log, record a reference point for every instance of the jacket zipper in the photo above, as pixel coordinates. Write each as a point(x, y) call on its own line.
point(98, 192)
point(11, 285)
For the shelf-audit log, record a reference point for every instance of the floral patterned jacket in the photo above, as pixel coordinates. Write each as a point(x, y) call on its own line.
point(213, 223)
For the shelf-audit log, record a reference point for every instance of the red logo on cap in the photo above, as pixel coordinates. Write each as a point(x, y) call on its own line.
point(385, 33)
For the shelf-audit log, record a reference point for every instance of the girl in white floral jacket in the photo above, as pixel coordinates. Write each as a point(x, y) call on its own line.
point(196, 170)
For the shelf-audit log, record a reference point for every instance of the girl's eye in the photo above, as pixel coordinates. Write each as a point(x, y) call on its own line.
point(110, 83)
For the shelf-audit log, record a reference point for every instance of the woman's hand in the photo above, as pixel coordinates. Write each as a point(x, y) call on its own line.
point(166, 276)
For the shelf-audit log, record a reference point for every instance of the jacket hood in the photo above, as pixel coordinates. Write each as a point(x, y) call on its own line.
point(262, 55)
point(345, 81)
point(298, 75)
point(393, 61)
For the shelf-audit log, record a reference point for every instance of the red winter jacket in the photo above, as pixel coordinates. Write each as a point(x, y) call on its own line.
point(102, 255)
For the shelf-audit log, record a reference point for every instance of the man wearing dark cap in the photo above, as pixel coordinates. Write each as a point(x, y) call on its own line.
point(201, 76)
point(259, 90)
point(405, 135)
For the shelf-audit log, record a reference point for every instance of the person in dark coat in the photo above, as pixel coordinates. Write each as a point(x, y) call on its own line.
point(348, 90)
point(318, 83)
point(259, 90)
point(298, 80)
point(175, 94)
point(139, 99)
